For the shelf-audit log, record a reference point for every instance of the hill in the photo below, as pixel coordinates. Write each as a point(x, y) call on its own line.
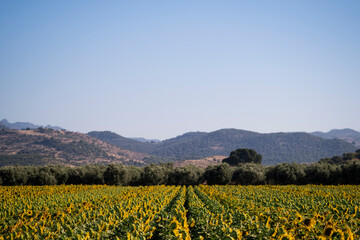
point(274, 147)
point(47, 146)
point(24, 125)
point(123, 142)
point(346, 134)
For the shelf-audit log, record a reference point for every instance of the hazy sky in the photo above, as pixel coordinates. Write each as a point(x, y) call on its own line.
point(158, 69)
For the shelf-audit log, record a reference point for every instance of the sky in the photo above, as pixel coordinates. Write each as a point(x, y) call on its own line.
point(158, 69)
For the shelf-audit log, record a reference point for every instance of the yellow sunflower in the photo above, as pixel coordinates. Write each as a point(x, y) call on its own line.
point(309, 223)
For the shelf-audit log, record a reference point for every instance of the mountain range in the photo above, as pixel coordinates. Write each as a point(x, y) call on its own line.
point(24, 125)
point(38, 146)
point(275, 148)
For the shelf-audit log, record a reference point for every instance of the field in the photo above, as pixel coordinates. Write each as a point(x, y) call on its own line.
point(179, 212)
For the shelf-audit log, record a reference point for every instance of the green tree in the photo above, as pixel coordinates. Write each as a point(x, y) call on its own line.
point(188, 175)
point(134, 175)
point(45, 177)
point(323, 173)
point(350, 172)
point(116, 174)
point(243, 155)
point(249, 174)
point(13, 175)
point(156, 174)
point(94, 174)
point(286, 173)
point(218, 174)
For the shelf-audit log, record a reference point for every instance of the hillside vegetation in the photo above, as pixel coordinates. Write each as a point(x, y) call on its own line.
point(274, 147)
point(346, 134)
point(44, 146)
point(47, 146)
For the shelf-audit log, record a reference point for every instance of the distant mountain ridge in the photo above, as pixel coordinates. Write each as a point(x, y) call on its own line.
point(65, 147)
point(43, 146)
point(274, 147)
point(25, 125)
point(126, 143)
point(346, 134)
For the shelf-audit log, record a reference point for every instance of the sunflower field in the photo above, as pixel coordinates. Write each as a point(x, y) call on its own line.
point(179, 212)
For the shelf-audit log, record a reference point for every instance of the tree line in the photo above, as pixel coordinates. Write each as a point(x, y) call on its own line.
point(112, 174)
point(243, 166)
point(220, 174)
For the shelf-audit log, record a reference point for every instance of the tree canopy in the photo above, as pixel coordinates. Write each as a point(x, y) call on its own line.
point(218, 174)
point(243, 155)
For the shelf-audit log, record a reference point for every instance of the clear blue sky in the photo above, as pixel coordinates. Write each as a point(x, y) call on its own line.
point(158, 69)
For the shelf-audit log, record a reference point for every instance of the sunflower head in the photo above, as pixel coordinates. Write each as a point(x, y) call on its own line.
point(328, 231)
point(299, 218)
point(309, 222)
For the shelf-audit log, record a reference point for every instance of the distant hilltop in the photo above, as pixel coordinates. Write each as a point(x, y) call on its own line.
point(24, 125)
point(347, 134)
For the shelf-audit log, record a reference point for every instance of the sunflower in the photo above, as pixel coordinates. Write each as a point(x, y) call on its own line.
point(299, 218)
point(174, 226)
point(309, 222)
point(328, 231)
